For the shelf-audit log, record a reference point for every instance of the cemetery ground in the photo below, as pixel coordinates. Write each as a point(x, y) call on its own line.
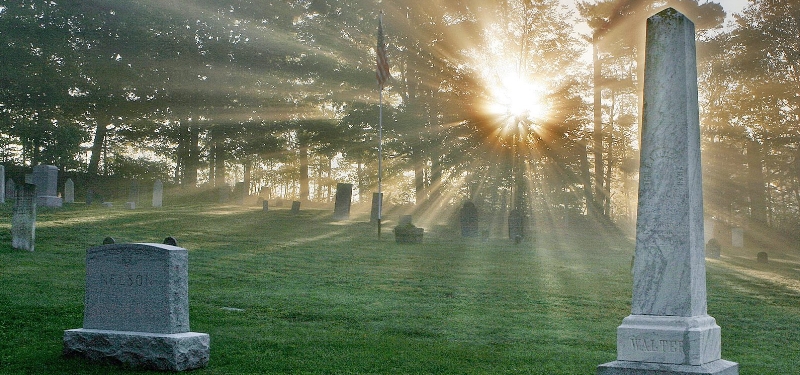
point(301, 293)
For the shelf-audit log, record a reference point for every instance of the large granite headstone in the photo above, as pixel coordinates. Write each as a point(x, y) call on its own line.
point(137, 309)
point(158, 193)
point(344, 196)
point(45, 177)
point(469, 220)
point(669, 330)
point(69, 191)
point(23, 218)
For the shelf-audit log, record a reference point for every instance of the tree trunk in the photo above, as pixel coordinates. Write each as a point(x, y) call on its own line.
point(305, 189)
point(756, 184)
point(599, 196)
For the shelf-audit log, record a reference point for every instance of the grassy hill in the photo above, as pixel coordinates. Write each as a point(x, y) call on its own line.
point(284, 293)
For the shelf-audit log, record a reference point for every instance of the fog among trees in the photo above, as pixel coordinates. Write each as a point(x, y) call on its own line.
point(506, 103)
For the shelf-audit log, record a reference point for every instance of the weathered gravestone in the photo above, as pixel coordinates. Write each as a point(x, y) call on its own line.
point(265, 205)
point(158, 193)
point(469, 220)
point(10, 188)
point(45, 177)
point(344, 196)
point(23, 218)
point(2, 184)
point(762, 257)
point(669, 330)
point(69, 191)
point(137, 309)
point(295, 207)
point(737, 237)
point(377, 200)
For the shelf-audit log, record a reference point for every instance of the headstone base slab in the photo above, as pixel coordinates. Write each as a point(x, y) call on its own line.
point(669, 339)
point(718, 367)
point(164, 352)
point(49, 201)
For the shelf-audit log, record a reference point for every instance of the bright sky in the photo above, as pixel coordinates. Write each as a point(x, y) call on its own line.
point(730, 6)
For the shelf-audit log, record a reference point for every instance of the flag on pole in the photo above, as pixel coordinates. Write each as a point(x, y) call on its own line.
point(382, 64)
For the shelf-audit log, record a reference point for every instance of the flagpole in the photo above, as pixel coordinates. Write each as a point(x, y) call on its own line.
point(382, 74)
point(380, 158)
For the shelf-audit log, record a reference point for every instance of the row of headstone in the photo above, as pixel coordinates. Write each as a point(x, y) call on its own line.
point(136, 309)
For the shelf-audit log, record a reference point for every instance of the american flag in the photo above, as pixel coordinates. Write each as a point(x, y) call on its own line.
point(382, 64)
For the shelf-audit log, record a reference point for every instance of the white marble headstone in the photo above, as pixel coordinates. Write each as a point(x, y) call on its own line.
point(737, 237)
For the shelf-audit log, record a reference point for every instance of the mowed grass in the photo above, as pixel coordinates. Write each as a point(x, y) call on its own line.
point(302, 294)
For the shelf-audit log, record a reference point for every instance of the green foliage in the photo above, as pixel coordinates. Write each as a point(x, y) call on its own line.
point(321, 297)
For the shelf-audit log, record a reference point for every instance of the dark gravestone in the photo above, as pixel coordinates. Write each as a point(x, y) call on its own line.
point(295, 207)
point(109, 241)
point(516, 226)
point(469, 220)
point(376, 201)
point(713, 249)
point(265, 205)
point(344, 196)
point(23, 218)
point(762, 257)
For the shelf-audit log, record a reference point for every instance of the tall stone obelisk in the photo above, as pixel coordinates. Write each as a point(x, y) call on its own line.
point(669, 330)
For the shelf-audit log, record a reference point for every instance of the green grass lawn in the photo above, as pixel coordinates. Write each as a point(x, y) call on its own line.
point(283, 293)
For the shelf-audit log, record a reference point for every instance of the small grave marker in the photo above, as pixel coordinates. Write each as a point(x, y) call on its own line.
point(376, 201)
point(295, 207)
point(69, 191)
point(158, 193)
point(469, 220)
point(23, 218)
point(344, 196)
point(737, 237)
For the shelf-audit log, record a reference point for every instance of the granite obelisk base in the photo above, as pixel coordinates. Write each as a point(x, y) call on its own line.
point(718, 367)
